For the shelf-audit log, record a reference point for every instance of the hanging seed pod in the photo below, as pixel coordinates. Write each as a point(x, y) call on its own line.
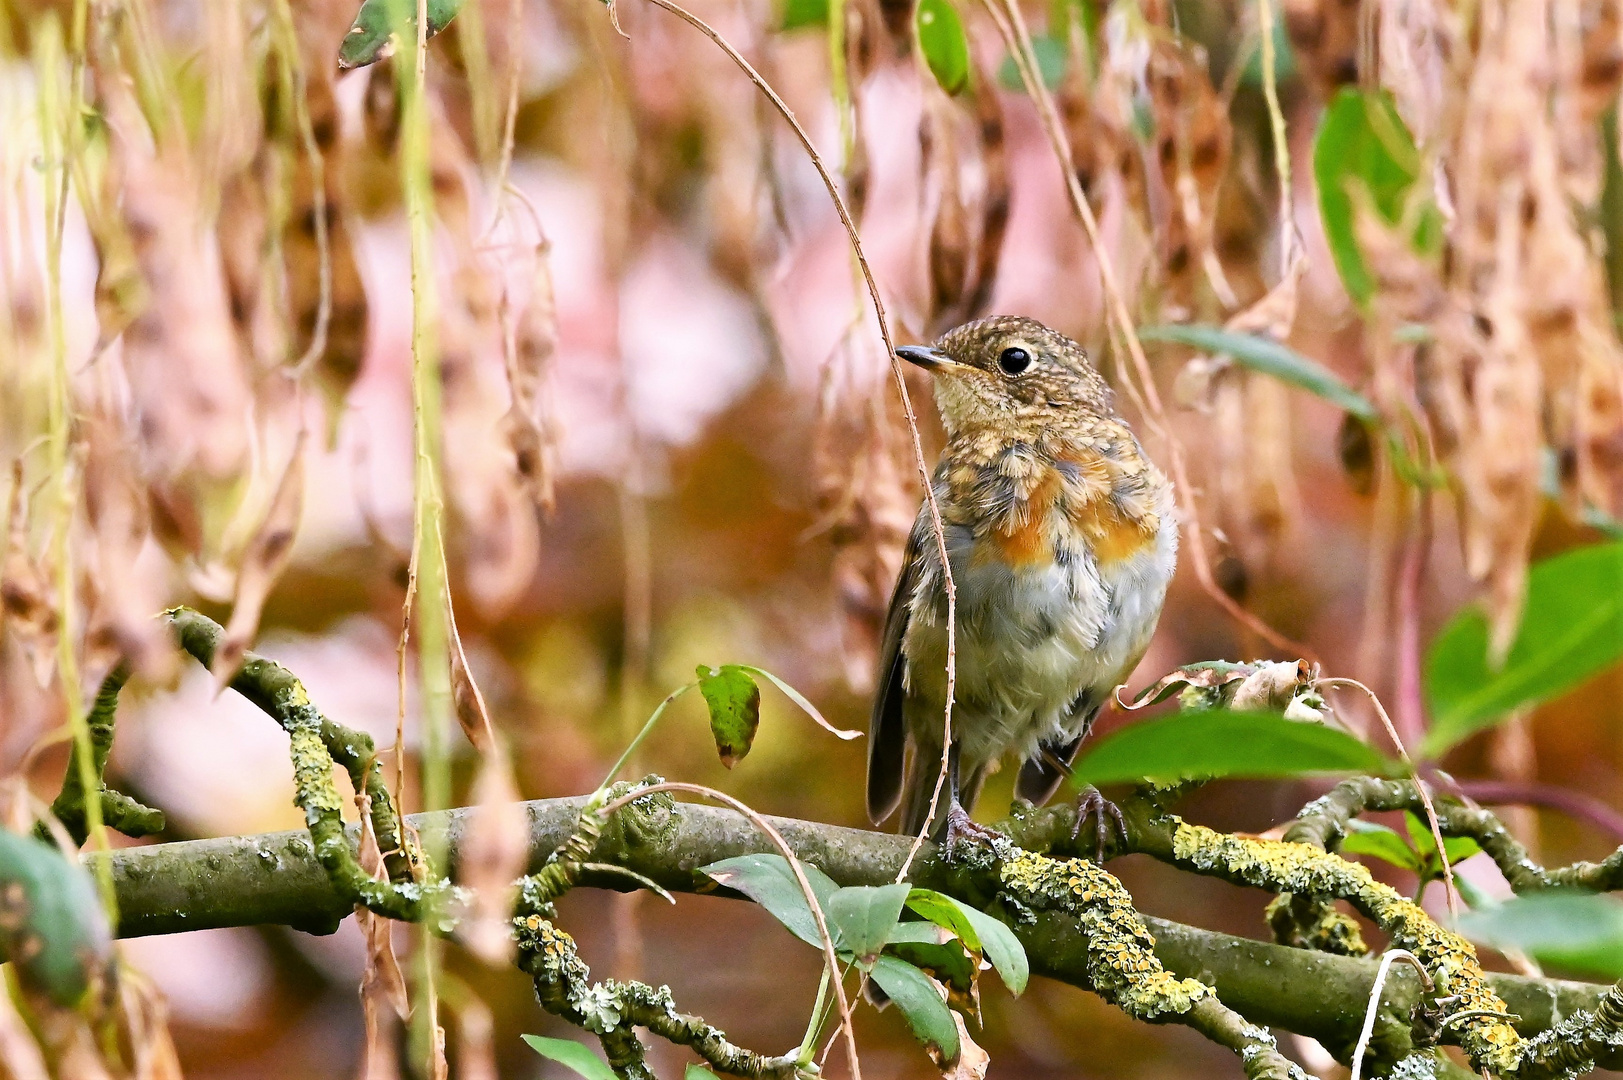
point(994, 196)
point(263, 561)
point(1324, 39)
point(949, 227)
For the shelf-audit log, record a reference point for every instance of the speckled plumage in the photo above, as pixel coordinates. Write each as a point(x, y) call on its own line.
point(1062, 538)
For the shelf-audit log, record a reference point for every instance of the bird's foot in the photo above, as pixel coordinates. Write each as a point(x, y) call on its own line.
point(963, 828)
point(1105, 814)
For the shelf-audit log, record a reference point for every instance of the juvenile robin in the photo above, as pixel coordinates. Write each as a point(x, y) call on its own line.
point(1062, 537)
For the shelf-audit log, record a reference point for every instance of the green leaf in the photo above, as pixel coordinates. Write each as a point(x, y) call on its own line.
point(369, 37)
point(919, 932)
point(1458, 848)
point(51, 917)
point(947, 913)
point(800, 699)
point(915, 994)
point(801, 14)
point(943, 42)
point(861, 917)
point(1579, 931)
point(735, 709)
point(1272, 359)
point(697, 1072)
point(1368, 838)
point(1052, 59)
point(1361, 140)
point(948, 964)
point(1571, 629)
point(980, 933)
point(770, 882)
point(572, 1055)
point(1217, 742)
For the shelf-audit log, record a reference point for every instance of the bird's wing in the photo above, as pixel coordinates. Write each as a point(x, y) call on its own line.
point(887, 731)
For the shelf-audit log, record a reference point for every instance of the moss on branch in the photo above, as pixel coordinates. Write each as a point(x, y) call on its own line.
point(316, 745)
point(118, 811)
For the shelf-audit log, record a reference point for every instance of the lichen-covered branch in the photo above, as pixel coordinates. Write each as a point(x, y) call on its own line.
point(613, 1010)
point(1323, 822)
point(1121, 963)
point(118, 811)
point(1573, 1047)
point(1282, 866)
point(316, 744)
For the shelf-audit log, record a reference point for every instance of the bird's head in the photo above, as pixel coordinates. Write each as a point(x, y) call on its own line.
point(1011, 371)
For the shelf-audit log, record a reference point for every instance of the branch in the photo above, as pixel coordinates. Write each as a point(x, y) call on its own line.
point(275, 878)
point(118, 810)
point(1323, 822)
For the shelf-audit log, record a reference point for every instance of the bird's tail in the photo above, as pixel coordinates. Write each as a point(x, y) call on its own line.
point(923, 772)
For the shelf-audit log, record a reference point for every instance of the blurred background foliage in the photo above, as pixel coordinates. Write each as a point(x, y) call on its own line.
point(669, 437)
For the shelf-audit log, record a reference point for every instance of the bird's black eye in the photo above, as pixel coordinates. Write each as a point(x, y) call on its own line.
point(1014, 361)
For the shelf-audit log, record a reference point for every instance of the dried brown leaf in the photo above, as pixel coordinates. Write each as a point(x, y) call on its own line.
point(1324, 39)
point(492, 857)
point(475, 1043)
point(119, 517)
point(144, 1014)
point(266, 557)
point(469, 703)
point(528, 426)
point(973, 1060)
point(384, 1001)
point(27, 604)
point(949, 225)
point(995, 194)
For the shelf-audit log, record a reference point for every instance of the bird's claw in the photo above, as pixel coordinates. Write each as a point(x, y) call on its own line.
point(961, 827)
point(1105, 814)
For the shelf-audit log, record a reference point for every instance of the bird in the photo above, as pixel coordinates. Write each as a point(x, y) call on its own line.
point(1062, 537)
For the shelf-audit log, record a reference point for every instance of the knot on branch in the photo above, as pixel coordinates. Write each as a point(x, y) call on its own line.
point(1121, 962)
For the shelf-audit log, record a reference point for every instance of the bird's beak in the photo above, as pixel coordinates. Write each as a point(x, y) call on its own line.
point(926, 357)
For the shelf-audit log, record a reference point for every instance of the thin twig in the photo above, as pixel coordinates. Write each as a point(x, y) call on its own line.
point(1375, 1001)
point(1011, 26)
point(1420, 787)
point(1574, 804)
point(515, 71)
point(895, 368)
point(829, 956)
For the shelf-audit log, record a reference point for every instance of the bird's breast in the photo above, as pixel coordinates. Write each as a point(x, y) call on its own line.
point(1079, 504)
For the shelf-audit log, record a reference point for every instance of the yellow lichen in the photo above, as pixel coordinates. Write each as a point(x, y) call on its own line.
point(1121, 963)
point(1280, 866)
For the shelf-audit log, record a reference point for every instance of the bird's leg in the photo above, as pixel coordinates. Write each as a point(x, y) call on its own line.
point(1105, 814)
point(960, 825)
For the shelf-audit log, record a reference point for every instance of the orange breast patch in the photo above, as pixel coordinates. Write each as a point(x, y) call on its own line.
point(1112, 536)
point(1026, 542)
point(1103, 527)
